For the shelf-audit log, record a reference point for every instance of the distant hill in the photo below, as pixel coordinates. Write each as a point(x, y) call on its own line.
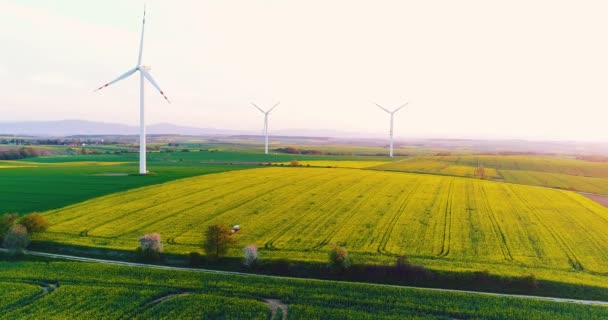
point(63, 128)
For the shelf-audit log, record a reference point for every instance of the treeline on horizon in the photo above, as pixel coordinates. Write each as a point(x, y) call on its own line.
point(22, 153)
point(294, 150)
point(56, 142)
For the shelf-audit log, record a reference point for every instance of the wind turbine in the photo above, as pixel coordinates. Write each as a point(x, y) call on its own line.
point(266, 113)
point(392, 113)
point(143, 73)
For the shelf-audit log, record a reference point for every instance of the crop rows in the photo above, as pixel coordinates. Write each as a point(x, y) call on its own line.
point(95, 291)
point(307, 210)
point(559, 173)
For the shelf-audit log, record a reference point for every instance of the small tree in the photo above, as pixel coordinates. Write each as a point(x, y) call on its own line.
point(294, 163)
point(338, 258)
point(150, 246)
point(6, 222)
point(217, 240)
point(34, 222)
point(480, 172)
point(251, 255)
point(16, 239)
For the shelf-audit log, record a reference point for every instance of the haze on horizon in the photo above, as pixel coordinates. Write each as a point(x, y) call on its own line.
point(476, 69)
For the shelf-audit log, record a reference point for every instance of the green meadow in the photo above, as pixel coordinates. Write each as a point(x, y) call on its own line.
point(34, 289)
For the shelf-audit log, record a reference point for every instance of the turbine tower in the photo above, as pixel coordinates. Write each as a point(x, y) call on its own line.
point(392, 113)
point(266, 113)
point(143, 73)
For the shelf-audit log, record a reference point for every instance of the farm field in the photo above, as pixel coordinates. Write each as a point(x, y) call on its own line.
point(30, 186)
point(215, 155)
point(338, 164)
point(549, 172)
point(59, 290)
point(44, 183)
point(299, 213)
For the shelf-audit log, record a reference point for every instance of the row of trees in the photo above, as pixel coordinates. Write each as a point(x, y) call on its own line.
point(220, 238)
point(15, 231)
point(21, 153)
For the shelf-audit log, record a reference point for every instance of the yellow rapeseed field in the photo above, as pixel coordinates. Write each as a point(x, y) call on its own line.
point(299, 213)
point(549, 172)
point(338, 164)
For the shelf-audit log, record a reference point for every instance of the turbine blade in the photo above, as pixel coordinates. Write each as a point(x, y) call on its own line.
point(379, 106)
point(123, 76)
point(262, 111)
point(273, 107)
point(141, 42)
point(403, 105)
point(151, 80)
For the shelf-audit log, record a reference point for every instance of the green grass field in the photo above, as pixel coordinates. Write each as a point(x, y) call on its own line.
point(299, 213)
point(549, 172)
point(30, 186)
point(43, 183)
point(74, 290)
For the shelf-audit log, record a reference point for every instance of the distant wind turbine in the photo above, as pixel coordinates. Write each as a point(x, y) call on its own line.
point(266, 113)
point(143, 73)
point(392, 113)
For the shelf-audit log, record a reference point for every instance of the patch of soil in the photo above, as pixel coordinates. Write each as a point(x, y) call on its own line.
point(49, 287)
point(599, 198)
point(274, 305)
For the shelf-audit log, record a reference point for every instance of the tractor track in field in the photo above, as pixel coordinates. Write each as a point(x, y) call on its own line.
point(173, 200)
point(167, 297)
point(588, 196)
point(572, 259)
point(234, 273)
point(185, 209)
point(592, 237)
point(178, 200)
point(269, 243)
point(276, 305)
point(138, 210)
point(159, 299)
point(447, 226)
point(352, 212)
point(500, 235)
point(46, 288)
point(235, 205)
point(387, 234)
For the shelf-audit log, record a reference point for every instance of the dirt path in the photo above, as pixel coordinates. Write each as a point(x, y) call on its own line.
point(143, 265)
point(169, 296)
point(275, 305)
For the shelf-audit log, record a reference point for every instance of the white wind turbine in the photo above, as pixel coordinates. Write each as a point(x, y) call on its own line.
point(392, 113)
point(143, 73)
point(266, 113)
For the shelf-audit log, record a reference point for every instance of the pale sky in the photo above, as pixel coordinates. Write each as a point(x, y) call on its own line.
point(483, 69)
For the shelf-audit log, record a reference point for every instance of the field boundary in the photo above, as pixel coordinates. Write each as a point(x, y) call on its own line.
point(243, 274)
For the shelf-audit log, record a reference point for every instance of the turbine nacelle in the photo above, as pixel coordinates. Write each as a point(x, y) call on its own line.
point(394, 111)
point(265, 112)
